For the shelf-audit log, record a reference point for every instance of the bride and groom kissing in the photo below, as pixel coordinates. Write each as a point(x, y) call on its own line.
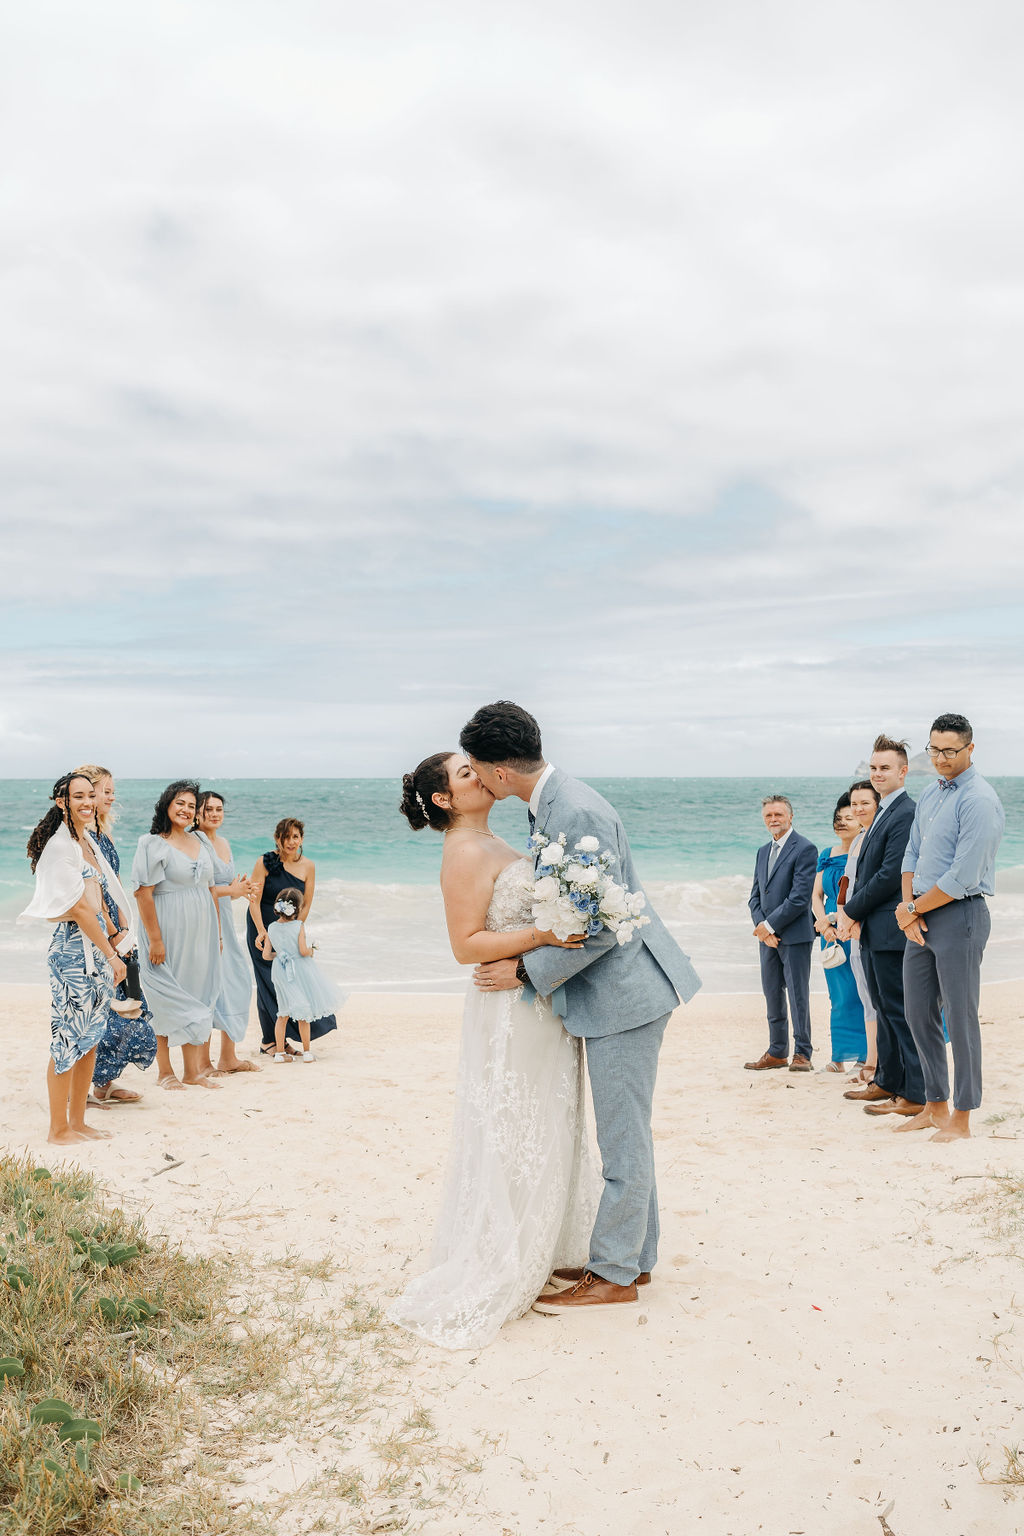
point(526, 1219)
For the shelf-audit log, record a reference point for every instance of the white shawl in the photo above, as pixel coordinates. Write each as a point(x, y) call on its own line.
point(60, 883)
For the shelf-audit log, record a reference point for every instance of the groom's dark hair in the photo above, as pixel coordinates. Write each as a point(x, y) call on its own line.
point(504, 734)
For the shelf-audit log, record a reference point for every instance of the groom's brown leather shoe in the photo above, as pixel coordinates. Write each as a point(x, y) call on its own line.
point(871, 1094)
point(765, 1062)
point(589, 1291)
point(572, 1275)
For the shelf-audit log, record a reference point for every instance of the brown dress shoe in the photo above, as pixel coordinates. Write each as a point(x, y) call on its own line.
point(894, 1107)
point(765, 1063)
point(573, 1275)
point(589, 1291)
point(870, 1093)
point(800, 1064)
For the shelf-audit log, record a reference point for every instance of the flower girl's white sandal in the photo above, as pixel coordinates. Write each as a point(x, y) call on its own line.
point(308, 1056)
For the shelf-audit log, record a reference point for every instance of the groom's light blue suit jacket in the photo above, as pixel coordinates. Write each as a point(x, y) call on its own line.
point(606, 987)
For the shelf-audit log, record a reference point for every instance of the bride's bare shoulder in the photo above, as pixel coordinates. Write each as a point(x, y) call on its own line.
point(475, 859)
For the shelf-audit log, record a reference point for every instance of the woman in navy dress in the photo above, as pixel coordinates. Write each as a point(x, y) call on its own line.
point(846, 1018)
point(275, 872)
point(129, 1041)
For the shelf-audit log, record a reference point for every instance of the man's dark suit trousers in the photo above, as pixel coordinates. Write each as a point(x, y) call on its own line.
point(786, 971)
point(899, 1066)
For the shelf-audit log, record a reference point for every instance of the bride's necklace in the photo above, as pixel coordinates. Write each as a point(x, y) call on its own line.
point(478, 830)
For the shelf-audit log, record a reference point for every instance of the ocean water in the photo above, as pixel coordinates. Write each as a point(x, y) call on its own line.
point(377, 913)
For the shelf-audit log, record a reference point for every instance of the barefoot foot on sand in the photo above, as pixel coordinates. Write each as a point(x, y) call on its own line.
point(921, 1122)
point(90, 1133)
point(65, 1138)
point(951, 1133)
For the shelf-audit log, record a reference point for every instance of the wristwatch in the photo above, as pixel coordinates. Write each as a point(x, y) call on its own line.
point(521, 975)
point(911, 908)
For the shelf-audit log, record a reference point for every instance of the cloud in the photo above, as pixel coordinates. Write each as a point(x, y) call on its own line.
point(659, 368)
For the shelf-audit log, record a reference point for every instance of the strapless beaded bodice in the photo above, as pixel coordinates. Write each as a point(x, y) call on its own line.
point(512, 903)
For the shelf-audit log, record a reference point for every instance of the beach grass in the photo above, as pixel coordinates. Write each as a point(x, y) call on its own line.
point(109, 1342)
point(140, 1385)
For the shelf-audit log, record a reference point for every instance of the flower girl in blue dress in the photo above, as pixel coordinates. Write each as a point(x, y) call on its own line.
point(303, 992)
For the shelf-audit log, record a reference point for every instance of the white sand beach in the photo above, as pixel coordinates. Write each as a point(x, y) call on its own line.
point(834, 1325)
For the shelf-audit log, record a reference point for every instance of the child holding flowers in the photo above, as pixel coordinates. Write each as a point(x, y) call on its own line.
point(303, 992)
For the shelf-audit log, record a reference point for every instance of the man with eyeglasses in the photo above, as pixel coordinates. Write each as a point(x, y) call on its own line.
point(948, 870)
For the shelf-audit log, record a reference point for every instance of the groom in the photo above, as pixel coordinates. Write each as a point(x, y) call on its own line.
point(617, 997)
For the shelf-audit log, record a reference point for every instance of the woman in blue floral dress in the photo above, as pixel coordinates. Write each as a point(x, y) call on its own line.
point(129, 1041)
point(73, 881)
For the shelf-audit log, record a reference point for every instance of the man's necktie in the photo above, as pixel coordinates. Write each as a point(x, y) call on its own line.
point(533, 819)
point(773, 857)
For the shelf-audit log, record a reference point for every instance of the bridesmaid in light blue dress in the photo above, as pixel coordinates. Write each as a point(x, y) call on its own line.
point(231, 1011)
point(303, 991)
point(180, 967)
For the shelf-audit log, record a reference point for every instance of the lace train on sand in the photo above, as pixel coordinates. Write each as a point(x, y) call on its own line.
point(520, 1192)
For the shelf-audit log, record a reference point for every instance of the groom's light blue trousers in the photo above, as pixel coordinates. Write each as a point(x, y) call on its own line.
point(623, 1069)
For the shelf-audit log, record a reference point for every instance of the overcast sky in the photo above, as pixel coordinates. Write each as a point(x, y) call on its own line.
point(656, 365)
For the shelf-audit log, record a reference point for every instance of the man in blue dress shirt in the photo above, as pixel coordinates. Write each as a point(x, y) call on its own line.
point(948, 870)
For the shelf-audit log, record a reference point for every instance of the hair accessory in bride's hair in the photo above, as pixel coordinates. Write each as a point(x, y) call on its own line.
point(286, 908)
point(419, 801)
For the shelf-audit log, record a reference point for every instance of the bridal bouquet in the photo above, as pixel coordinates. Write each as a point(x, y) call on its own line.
point(574, 893)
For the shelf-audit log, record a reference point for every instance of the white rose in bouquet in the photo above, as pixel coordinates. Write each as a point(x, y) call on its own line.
point(553, 854)
point(559, 917)
point(587, 845)
point(615, 901)
point(546, 889)
point(637, 902)
point(582, 875)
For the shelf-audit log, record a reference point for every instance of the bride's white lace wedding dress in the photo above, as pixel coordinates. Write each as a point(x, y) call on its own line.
point(520, 1192)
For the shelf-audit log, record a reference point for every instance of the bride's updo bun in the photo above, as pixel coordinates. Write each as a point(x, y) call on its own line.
point(418, 790)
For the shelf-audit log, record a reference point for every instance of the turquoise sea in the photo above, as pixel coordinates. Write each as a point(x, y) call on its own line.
point(378, 914)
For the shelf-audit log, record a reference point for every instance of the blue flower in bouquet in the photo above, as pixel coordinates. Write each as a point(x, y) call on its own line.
point(594, 926)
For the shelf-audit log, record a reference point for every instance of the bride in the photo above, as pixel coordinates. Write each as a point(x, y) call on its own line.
point(520, 1192)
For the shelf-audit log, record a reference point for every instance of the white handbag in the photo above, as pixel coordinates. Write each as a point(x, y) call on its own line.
point(833, 956)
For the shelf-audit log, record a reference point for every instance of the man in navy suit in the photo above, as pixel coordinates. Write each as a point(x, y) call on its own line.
point(870, 915)
point(780, 905)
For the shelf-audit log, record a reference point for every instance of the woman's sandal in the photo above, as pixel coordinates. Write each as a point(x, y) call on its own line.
point(836, 1066)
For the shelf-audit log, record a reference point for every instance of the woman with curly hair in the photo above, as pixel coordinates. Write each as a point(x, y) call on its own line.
point(130, 1039)
point(73, 881)
point(180, 967)
point(285, 866)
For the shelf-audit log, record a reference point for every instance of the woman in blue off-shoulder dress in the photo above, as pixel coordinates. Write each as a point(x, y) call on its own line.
point(180, 967)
